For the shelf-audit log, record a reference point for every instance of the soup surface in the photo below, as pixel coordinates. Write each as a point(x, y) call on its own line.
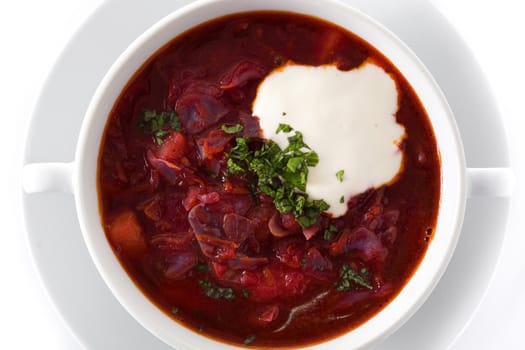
point(205, 230)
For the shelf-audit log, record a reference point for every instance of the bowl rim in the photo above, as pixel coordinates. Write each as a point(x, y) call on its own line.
point(145, 46)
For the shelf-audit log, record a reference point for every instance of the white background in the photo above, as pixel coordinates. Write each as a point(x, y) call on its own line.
point(32, 34)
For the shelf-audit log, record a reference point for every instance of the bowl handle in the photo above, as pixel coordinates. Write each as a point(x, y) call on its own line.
point(48, 177)
point(490, 182)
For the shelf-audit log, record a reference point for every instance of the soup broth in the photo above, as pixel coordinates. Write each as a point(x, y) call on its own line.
point(208, 243)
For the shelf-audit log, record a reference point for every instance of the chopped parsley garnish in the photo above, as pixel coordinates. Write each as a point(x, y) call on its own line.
point(342, 199)
point(281, 174)
point(340, 175)
point(175, 310)
point(284, 128)
point(233, 168)
point(161, 124)
point(249, 339)
point(284, 114)
point(329, 233)
point(232, 129)
point(216, 292)
point(351, 279)
point(245, 293)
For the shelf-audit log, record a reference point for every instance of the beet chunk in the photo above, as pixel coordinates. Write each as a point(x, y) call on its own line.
point(241, 73)
point(199, 107)
point(362, 242)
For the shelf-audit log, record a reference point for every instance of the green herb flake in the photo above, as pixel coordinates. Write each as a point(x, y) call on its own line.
point(284, 128)
point(351, 279)
point(329, 233)
point(160, 124)
point(174, 310)
point(305, 221)
point(232, 129)
point(233, 168)
point(245, 293)
point(216, 292)
point(311, 159)
point(249, 339)
point(284, 114)
point(294, 163)
point(340, 175)
point(241, 150)
point(342, 199)
point(280, 173)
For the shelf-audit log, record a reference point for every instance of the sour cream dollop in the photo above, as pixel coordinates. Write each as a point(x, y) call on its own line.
point(347, 117)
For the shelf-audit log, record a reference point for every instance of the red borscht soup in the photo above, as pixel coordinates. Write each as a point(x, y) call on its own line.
point(194, 206)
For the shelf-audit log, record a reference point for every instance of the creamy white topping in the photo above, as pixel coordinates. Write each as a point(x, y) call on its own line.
point(348, 118)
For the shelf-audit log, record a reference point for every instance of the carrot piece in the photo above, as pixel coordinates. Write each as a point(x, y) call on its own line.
point(126, 234)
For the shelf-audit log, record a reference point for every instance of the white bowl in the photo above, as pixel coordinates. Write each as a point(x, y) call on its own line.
point(80, 177)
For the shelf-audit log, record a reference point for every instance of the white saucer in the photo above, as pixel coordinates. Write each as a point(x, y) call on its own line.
point(74, 285)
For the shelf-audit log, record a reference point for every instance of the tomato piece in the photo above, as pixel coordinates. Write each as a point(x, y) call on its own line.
point(276, 281)
point(173, 148)
point(218, 268)
point(290, 251)
point(269, 314)
point(214, 143)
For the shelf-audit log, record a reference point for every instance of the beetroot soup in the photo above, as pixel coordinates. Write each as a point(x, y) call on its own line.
point(217, 222)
